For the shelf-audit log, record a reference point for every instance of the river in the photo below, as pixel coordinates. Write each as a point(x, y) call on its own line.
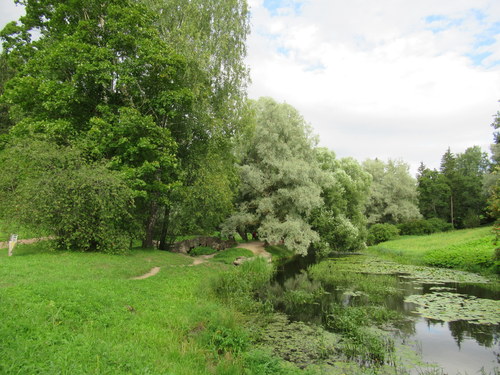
point(456, 346)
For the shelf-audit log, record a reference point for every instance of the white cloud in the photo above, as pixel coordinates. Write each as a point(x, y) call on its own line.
point(390, 78)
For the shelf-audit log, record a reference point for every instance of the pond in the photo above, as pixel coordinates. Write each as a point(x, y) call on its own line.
point(454, 325)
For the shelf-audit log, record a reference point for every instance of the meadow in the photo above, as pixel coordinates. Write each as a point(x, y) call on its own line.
point(468, 249)
point(81, 313)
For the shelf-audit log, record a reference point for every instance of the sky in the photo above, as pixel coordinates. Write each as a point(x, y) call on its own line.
point(400, 79)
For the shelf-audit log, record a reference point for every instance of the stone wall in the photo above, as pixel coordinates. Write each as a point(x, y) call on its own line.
point(186, 246)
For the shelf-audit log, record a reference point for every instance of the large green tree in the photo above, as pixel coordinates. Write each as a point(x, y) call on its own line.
point(210, 35)
point(106, 77)
point(340, 221)
point(281, 179)
point(433, 193)
point(464, 174)
point(393, 193)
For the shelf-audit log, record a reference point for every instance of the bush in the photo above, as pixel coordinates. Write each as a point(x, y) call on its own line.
point(415, 228)
point(424, 227)
point(439, 225)
point(54, 190)
point(382, 232)
point(471, 220)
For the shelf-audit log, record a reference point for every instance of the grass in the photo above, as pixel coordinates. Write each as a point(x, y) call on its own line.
point(279, 251)
point(467, 249)
point(228, 256)
point(79, 313)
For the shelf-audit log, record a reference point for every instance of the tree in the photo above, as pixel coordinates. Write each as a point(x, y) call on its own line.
point(210, 35)
point(53, 189)
point(464, 174)
point(280, 179)
point(433, 193)
point(103, 78)
point(340, 221)
point(393, 194)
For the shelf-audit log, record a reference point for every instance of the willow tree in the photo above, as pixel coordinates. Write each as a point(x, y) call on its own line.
point(340, 221)
point(280, 179)
point(393, 193)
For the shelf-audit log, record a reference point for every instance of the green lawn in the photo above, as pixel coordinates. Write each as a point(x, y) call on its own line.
point(468, 249)
point(79, 313)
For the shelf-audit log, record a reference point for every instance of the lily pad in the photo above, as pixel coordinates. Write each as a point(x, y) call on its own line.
point(449, 307)
point(421, 274)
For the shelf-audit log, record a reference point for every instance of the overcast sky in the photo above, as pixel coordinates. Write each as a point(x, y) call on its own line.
point(399, 79)
point(387, 78)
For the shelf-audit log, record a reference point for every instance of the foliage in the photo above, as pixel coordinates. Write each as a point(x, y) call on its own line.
point(238, 286)
point(456, 193)
point(340, 222)
point(382, 232)
point(51, 189)
point(280, 180)
point(423, 227)
point(393, 195)
point(132, 84)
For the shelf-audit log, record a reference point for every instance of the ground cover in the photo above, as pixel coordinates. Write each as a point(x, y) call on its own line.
point(80, 313)
point(469, 249)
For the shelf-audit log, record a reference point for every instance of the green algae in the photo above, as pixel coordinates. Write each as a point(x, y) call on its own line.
point(449, 307)
point(421, 274)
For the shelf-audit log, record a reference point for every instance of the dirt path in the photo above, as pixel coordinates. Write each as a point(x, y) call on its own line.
point(5, 244)
point(256, 247)
point(152, 272)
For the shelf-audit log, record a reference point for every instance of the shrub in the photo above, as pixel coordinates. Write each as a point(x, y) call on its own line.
point(53, 189)
point(415, 227)
point(424, 227)
point(382, 232)
point(471, 220)
point(439, 225)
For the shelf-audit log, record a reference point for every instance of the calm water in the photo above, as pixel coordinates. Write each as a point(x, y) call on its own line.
point(457, 347)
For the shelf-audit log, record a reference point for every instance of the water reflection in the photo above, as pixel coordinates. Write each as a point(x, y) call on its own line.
point(457, 347)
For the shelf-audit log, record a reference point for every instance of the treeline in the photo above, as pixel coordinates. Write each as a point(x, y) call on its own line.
point(124, 120)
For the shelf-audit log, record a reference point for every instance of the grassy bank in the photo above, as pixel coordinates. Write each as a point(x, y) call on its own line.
point(469, 249)
point(79, 313)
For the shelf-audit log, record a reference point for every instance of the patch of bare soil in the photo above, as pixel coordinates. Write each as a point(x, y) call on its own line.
point(152, 272)
point(28, 241)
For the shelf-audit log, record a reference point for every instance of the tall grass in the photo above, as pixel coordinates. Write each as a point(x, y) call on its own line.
point(467, 249)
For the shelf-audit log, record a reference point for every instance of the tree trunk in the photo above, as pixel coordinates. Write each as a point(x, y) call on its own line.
point(451, 212)
point(150, 226)
point(164, 229)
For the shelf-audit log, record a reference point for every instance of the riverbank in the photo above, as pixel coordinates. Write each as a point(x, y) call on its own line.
point(470, 250)
point(83, 313)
